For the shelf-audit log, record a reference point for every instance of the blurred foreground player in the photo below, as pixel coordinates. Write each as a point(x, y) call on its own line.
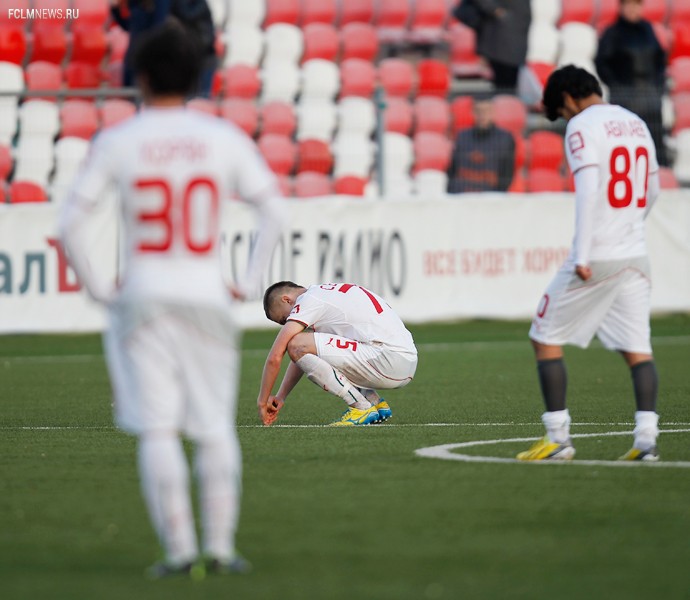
point(604, 285)
point(171, 344)
point(346, 339)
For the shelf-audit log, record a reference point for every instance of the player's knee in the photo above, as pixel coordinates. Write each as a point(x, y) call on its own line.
point(297, 347)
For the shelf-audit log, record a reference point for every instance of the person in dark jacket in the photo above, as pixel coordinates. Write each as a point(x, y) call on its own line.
point(632, 63)
point(484, 155)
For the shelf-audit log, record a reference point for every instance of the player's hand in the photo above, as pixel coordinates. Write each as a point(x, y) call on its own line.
point(583, 272)
point(269, 411)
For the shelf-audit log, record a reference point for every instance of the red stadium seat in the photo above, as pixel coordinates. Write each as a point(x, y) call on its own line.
point(356, 11)
point(545, 180)
point(545, 151)
point(681, 40)
point(433, 78)
point(3, 191)
point(12, 44)
point(93, 12)
point(359, 40)
point(285, 185)
point(542, 71)
point(281, 11)
point(431, 114)
point(391, 19)
point(520, 151)
point(679, 72)
point(464, 60)
point(242, 113)
point(278, 117)
point(680, 11)
point(398, 116)
point(320, 41)
point(6, 162)
point(606, 14)
point(518, 185)
point(116, 110)
point(310, 184)
point(314, 155)
point(357, 78)
point(655, 10)
point(432, 151)
point(118, 40)
point(510, 113)
point(49, 12)
point(279, 151)
point(581, 11)
point(43, 75)
point(664, 35)
point(26, 191)
point(49, 43)
point(350, 185)
point(89, 44)
point(428, 21)
point(681, 108)
point(16, 19)
point(318, 11)
point(397, 77)
point(79, 75)
point(462, 115)
point(78, 118)
point(241, 81)
point(113, 74)
point(667, 179)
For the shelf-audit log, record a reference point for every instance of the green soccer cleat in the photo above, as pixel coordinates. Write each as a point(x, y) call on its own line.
point(355, 416)
point(545, 449)
point(385, 411)
point(650, 455)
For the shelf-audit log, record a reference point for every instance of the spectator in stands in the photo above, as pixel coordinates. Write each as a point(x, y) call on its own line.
point(632, 63)
point(484, 155)
point(138, 16)
point(502, 28)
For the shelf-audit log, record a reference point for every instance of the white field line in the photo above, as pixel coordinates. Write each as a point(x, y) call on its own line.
point(671, 340)
point(445, 452)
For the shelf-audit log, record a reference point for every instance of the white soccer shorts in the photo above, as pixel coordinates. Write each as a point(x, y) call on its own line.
point(373, 366)
point(173, 368)
point(614, 304)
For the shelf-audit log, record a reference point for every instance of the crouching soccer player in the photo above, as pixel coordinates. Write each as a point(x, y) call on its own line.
point(346, 339)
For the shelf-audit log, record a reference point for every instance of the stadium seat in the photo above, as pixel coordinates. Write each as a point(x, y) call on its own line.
point(547, 11)
point(354, 155)
point(320, 79)
point(655, 11)
point(578, 41)
point(431, 114)
point(510, 113)
point(520, 151)
point(16, 19)
point(667, 179)
point(12, 44)
point(433, 78)
point(464, 60)
point(681, 166)
point(679, 11)
point(518, 185)
point(398, 116)
point(542, 43)
point(317, 11)
point(241, 81)
point(6, 162)
point(545, 180)
point(430, 183)
point(78, 118)
point(113, 74)
point(316, 119)
point(244, 45)
point(118, 40)
point(11, 80)
point(541, 71)
point(350, 185)
point(206, 106)
point(284, 43)
point(320, 41)
point(49, 43)
point(279, 118)
point(431, 151)
point(679, 73)
point(281, 11)
point(26, 191)
point(80, 75)
point(581, 11)
point(310, 184)
point(398, 186)
point(391, 19)
point(398, 154)
point(70, 152)
point(359, 40)
point(545, 151)
point(356, 11)
point(606, 14)
point(115, 110)
point(681, 110)
point(664, 35)
point(462, 115)
point(89, 44)
point(281, 81)
point(39, 117)
point(397, 77)
point(285, 185)
point(357, 78)
point(681, 40)
point(34, 157)
point(43, 76)
point(4, 192)
point(356, 115)
point(246, 14)
point(48, 10)
point(428, 21)
point(219, 12)
point(93, 12)
point(279, 151)
point(242, 113)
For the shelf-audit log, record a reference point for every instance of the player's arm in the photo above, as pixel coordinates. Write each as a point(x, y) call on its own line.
point(586, 185)
point(272, 369)
point(84, 198)
point(653, 190)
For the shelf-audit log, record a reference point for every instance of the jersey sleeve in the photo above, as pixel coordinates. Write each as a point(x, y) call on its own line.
point(253, 178)
point(307, 310)
point(580, 146)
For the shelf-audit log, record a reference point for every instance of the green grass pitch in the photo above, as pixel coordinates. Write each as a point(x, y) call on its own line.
point(354, 514)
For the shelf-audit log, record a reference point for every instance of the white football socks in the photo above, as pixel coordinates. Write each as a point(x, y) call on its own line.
point(218, 465)
point(331, 380)
point(557, 425)
point(646, 429)
point(164, 477)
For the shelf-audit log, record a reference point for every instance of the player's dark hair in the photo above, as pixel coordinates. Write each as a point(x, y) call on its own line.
point(169, 57)
point(571, 80)
point(274, 289)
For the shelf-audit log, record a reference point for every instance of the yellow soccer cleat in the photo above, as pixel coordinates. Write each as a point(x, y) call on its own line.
point(385, 411)
point(545, 449)
point(355, 416)
point(651, 455)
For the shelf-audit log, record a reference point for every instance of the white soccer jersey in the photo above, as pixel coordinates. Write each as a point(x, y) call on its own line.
point(173, 168)
point(610, 220)
point(352, 312)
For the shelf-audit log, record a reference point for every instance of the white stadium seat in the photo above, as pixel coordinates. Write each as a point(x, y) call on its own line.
point(681, 167)
point(547, 11)
point(284, 43)
point(398, 154)
point(246, 12)
point(356, 115)
point(542, 43)
point(430, 183)
point(316, 119)
point(578, 40)
point(245, 45)
point(281, 81)
point(219, 12)
point(11, 80)
point(34, 159)
point(320, 79)
point(354, 155)
point(39, 117)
